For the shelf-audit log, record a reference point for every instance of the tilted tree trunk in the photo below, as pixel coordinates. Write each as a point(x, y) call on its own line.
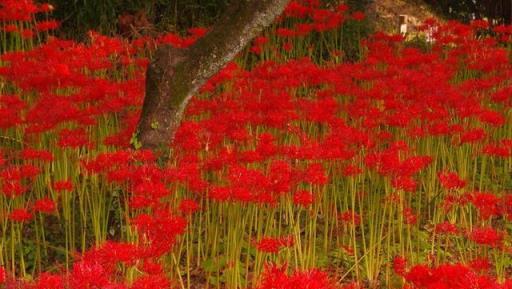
point(175, 75)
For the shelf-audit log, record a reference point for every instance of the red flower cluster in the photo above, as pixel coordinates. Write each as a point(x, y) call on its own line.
point(451, 180)
point(17, 16)
point(447, 276)
point(487, 236)
point(275, 277)
point(274, 245)
point(321, 19)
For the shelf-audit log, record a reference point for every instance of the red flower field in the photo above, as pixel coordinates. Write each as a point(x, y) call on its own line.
point(293, 168)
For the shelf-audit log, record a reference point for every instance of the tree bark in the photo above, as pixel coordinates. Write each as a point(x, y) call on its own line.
point(175, 75)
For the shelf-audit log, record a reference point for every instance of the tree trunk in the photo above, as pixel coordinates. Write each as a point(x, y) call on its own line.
point(175, 75)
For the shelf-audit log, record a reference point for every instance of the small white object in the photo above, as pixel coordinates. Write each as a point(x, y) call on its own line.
point(403, 24)
point(403, 28)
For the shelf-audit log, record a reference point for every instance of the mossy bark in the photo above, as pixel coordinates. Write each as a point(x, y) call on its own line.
point(175, 75)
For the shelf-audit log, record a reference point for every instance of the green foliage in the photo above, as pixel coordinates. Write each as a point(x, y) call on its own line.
point(135, 142)
point(419, 42)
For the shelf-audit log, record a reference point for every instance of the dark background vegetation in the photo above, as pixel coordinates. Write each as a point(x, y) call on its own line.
point(149, 17)
point(79, 16)
point(466, 10)
point(103, 15)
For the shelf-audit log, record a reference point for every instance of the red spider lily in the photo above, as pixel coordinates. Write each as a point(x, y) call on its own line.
point(451, 180)
point(315, 174)
point(49, 281)
point(405, 183)
point(161, 230)
point(288, 46)
point(10, 28)
point(111, 253)
point(11, 107)
point(500, 150)
point(505, 206)
point(73, 138)
point(481, 264)
point(120, 174)
point(151, 267)
point(182, 42)
point(188, 207)
point(151, 282)
point(152, 189)
point(45, 205)
point(479, 24)
point(448, 276)
point(473, 135)
point(351, 170)
point(20, 215)
point(400, 265)
point(296, 9)
point(220, 194)
point(358, 16)
point(486, 203)
point(419, 275)
point(89, 274)
point(258, 44)
point(32, 154)
point(280, 177)
point(46, 25)
point(492, 117)
point(27, 33)
point(388, 163)
point(446, 228)
point(274, 245)
point(17, 10)
point(11, 174)
point(409, 217)
point(276, 278)
point(29, 171)
point(350, 217)
point(502, 95)
point(303, 198)
point(61, 186)
point(2, 275)
point(140, 202)
point(12, 189)
point(487, 236)
point(46, 7)
point(322, 19)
